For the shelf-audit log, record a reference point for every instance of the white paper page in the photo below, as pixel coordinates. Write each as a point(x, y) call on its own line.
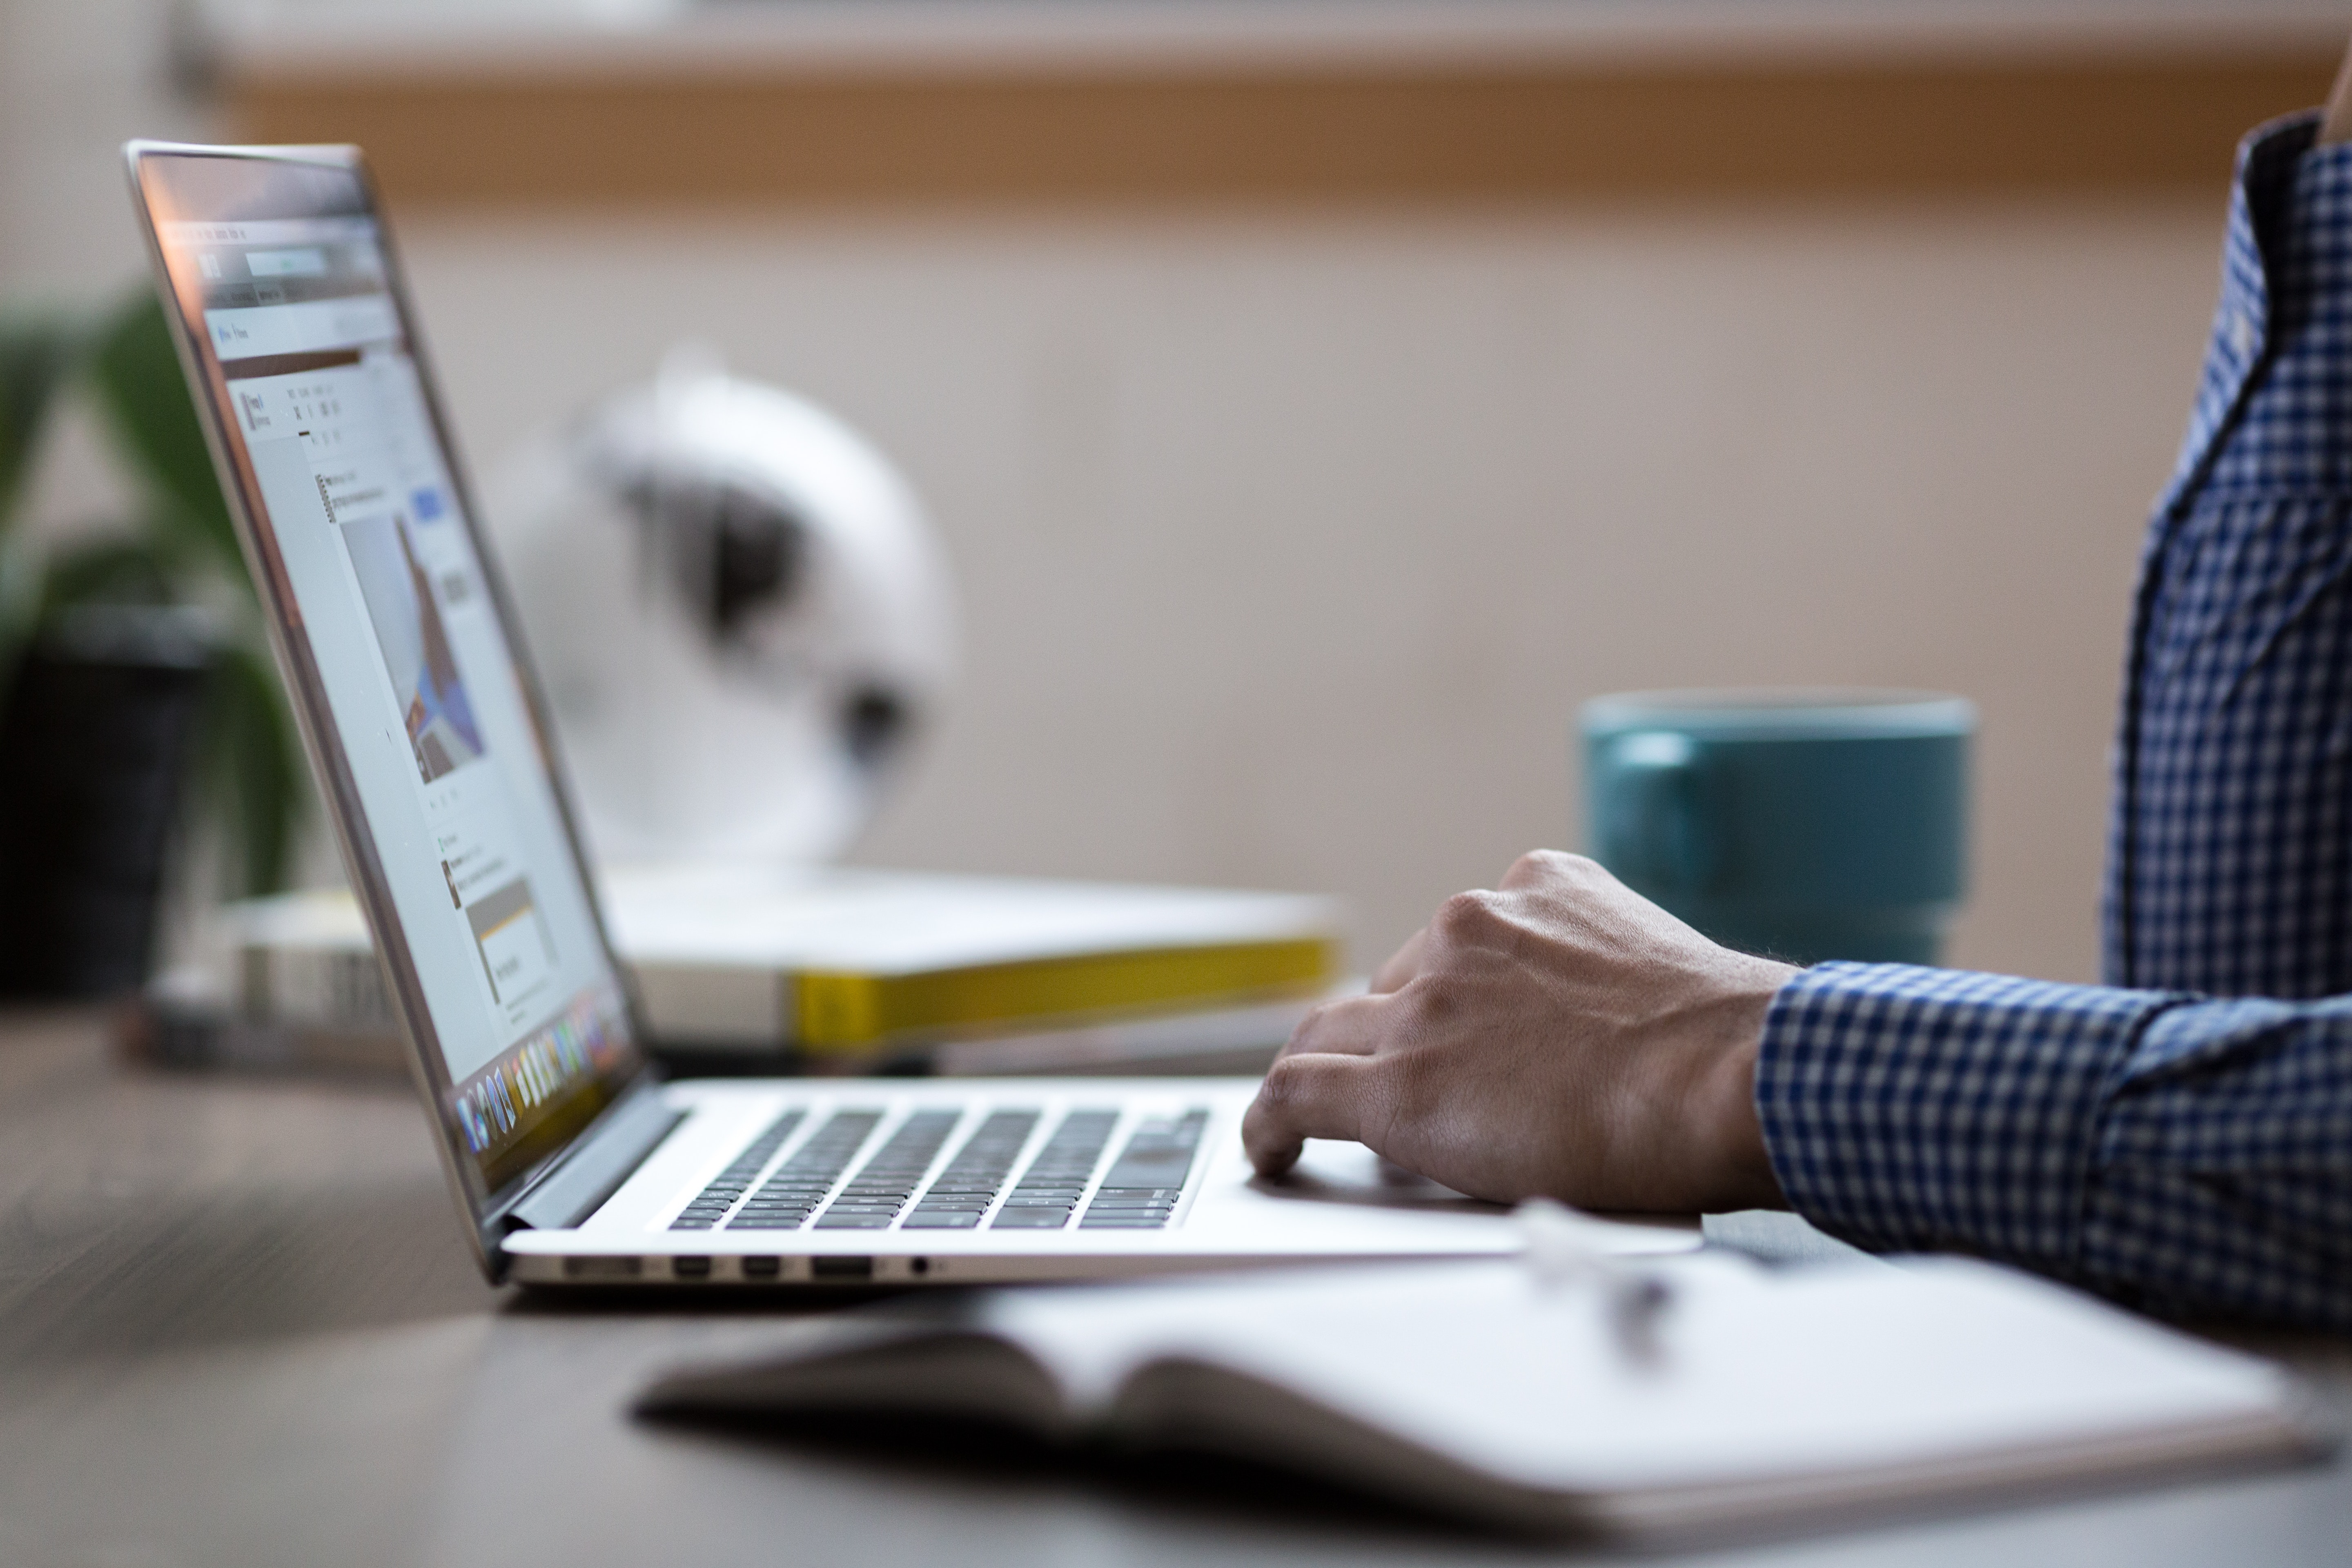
point(882, 922)
point(1760, 1375)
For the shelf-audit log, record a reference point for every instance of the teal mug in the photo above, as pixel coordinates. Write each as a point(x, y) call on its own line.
point(1807, 825)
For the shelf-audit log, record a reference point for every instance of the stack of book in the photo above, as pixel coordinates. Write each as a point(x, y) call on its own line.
point(776, 970)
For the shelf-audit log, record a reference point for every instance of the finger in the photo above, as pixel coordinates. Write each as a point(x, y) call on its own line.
point(1353, 1026)
point(1534, 868)
point(1305, 1097)
point(1403, 965)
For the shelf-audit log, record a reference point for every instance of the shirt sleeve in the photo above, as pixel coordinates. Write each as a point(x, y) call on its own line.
point(2192, 1157)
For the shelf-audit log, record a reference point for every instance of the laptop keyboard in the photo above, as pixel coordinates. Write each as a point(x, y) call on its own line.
point(710, 1205)
point(1138, 1192)
point(1141, 1189)
point(800, 1184)
point(883, 1184)
point(1050, 1188)
point(977, 1172)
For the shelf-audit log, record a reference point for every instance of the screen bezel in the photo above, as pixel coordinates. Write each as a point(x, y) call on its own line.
point(327, 169)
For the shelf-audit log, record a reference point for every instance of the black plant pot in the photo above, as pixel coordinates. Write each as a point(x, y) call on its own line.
point(94, 749)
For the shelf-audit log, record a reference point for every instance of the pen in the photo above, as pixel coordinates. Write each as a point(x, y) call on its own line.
point(1635, 1301)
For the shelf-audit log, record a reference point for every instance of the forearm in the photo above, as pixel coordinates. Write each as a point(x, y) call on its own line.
point(2194, 1156)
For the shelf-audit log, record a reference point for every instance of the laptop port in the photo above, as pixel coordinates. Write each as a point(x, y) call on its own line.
point(602, 1267)
point(690, 1267)
point(919, 1266)
point(841, 1269)
point(762, 1268)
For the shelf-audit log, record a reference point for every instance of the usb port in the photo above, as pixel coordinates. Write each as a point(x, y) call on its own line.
point(690, 1267)
point(762, 1268)
point(841, 1268)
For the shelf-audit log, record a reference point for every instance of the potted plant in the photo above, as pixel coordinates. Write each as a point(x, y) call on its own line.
point(139, 710)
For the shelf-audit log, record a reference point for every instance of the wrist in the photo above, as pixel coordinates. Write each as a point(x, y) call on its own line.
point(1740, 1165)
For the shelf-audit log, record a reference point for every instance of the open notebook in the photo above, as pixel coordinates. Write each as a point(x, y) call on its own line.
point(1480, 1389)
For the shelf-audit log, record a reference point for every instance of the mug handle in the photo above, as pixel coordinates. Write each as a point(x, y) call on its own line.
point(1666, 838)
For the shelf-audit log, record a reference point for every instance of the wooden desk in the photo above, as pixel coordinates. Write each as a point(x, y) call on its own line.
point(237, 1326)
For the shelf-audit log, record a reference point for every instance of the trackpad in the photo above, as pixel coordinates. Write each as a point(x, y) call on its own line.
point(1335, 1172)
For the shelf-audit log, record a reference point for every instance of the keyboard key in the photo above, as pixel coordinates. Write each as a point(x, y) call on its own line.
point(1159, 1155)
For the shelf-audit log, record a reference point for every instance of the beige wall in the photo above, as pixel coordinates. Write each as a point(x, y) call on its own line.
point(1289, 544)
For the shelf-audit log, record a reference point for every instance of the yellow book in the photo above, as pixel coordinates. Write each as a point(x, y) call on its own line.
point(836, 1010)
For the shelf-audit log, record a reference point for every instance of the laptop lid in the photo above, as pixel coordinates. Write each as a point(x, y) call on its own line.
point(398, 648)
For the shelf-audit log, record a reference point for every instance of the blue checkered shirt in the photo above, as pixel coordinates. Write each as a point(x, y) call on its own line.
point(2183, 1138)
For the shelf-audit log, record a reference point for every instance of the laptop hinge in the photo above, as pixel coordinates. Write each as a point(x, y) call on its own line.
point(595, 1168)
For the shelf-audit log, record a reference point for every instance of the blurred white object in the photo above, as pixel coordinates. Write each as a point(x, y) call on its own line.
point(363, 17)
point(740, 614)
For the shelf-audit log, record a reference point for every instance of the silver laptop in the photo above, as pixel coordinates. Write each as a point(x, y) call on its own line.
point(572, 1161)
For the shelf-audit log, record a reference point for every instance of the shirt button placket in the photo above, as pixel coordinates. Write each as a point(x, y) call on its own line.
point(2244, 336)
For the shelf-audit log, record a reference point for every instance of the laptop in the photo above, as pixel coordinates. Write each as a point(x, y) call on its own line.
point(572, 1160)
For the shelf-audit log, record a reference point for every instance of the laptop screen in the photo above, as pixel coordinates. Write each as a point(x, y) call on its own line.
point(423, 724)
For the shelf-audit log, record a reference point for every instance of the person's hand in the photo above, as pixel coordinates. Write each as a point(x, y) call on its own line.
point(1560, 1037)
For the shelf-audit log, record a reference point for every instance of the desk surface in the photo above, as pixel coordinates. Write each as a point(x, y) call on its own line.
point(238, 1325)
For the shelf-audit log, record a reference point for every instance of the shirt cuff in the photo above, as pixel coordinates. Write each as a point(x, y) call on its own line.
point(1915, 1109)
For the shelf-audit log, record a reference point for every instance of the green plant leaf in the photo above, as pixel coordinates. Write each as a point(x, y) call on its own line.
point(20, 606)
point(36, 349)
point(119, 570)
point(253, 766)
point(249, 772)
point(137, 374)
